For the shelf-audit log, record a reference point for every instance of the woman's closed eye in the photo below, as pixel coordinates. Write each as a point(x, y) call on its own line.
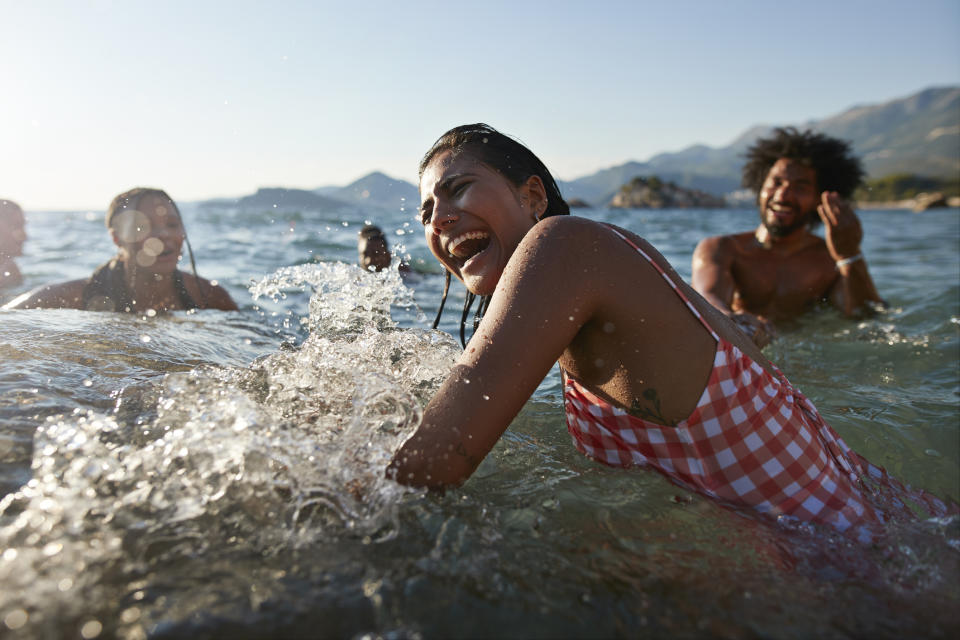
point(458, 189)
point(454, 190)
point(426, 213)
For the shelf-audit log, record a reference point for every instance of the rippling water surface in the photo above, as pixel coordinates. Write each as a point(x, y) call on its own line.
point(221, 474)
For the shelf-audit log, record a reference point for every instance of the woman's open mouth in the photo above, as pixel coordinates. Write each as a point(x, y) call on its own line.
point(467, 246)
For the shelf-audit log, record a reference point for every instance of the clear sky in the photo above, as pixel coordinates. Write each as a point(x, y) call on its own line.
point(208, 99)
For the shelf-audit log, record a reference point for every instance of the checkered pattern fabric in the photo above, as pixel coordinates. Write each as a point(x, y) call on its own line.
point(753, 440)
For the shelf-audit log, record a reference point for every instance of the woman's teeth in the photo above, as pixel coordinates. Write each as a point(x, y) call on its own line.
point(468, 244)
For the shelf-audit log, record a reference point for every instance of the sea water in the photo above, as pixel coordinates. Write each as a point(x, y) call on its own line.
point(213, 474)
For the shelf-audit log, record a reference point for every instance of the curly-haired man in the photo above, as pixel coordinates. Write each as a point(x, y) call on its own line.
point(781, 269)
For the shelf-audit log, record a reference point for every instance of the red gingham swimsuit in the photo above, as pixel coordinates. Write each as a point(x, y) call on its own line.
point(752, 440)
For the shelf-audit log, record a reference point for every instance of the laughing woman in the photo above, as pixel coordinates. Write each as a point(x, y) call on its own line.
point(146, 226)
point(653, 375)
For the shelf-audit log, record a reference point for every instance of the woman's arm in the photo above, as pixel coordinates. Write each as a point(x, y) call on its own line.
point(548, 291)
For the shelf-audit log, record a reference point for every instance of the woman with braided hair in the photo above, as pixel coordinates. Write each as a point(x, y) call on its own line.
point(653, 375)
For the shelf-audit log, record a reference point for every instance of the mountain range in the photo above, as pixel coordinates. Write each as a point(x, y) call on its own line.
point(918, 134)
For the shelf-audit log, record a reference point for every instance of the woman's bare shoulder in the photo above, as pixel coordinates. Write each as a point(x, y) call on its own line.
point(572, 242)
point(562, 235)
point(59, 295)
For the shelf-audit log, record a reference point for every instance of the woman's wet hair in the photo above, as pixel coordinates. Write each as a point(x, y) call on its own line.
point(833, 160)
point(503, 154)
point(129, 200)
point(511, 159)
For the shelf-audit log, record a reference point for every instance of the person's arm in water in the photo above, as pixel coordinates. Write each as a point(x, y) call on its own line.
point(843, 234)
point(61, 295)
point(539, 306)
point(713, 279)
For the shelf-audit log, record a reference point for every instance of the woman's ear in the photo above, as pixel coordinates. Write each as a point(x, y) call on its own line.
point(535, 194)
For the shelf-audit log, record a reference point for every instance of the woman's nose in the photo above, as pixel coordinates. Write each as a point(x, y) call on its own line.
point(443, 215)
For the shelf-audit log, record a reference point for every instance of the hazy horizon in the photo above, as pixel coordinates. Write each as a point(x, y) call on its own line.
point(206, 102)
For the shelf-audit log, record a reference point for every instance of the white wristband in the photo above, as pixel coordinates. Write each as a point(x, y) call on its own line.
point(850, 260)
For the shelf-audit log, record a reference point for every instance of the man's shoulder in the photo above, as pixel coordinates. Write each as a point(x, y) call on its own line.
point(727, 244)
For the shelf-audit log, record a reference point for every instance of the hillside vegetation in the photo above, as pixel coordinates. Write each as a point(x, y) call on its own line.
point(905, 186)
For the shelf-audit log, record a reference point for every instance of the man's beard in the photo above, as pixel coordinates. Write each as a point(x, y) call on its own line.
point(777, 230)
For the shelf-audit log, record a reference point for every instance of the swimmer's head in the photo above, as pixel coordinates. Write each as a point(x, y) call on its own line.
point(146, 226)
point(131, 200)
point(12, 228)
point(500, 152)
point(836, 168)
point(372, 249)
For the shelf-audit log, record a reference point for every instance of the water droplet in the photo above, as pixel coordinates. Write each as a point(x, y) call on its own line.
point(466, 381)
point(130, 615)
point(88, 383)
point(151, 313)
point(91, 629)
point(52, 549)
point(65, 585)
point(145, 338)
point(15, 619)
point(486, 397)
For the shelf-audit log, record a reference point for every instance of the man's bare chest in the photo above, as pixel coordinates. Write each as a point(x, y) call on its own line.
point(772, 284)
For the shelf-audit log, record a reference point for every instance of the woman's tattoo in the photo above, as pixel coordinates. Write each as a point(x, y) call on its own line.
point(461, 451)
point(651, 412)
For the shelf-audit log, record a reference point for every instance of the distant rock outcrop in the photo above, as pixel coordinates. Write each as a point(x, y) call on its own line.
point(653, 193)
point(578, 203)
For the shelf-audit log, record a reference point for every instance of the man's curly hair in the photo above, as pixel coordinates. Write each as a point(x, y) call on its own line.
point(837, 168)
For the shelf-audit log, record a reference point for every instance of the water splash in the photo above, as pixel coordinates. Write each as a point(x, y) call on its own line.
point(286, 452)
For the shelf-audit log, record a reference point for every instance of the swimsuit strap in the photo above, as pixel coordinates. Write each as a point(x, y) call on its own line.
point(185, 298)
point(106, 289)
point(669, 280)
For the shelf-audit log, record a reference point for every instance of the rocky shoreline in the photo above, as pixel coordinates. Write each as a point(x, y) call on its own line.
point(921, 202)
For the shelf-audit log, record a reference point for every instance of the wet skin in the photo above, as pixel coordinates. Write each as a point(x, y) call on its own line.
point(781, 269)
point(474, 218)
point(564, 288)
